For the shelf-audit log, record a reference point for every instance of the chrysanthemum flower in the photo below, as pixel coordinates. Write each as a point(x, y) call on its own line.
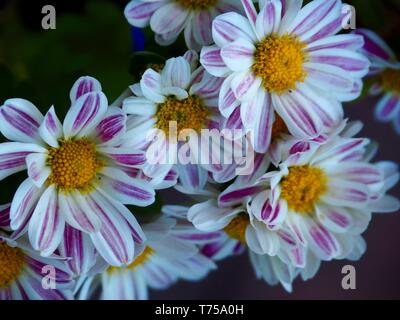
point(22, 269)
point(171, 253)
point(324, 194)
point(168, 18)
point(285, 59)
point(179, 93)
point(313, 208)
point(76, 173)
point(385, 73)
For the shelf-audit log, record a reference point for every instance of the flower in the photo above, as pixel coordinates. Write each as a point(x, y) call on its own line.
point(168, 18)
point(314, 207)
point(171, 253)
point(323, 194)
point(289, 60)
point(22, 269)
point(73, 169)
point(385, 75)
point(180, 94)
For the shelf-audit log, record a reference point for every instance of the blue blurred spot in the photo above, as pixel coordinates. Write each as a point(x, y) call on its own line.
point(138, 39)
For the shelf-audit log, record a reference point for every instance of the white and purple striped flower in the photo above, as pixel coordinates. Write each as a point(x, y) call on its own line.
point(76, 175)
point(184, 97)
point(385, 75)
point(22, 269)
point(286, 60)
point(170, 254)
point(323, 194)
point(169, 18)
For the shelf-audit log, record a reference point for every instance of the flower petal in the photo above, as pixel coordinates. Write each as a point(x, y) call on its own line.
point(126, 189)
point(13, 157)
point(210, 58)
point(112, 127)
point(138, 13)
point(231, 26)
point(168, 18)
point(51, 129)
point(85, 114)
point(20, 121)
point(46, 226)
point(82, 86)
point(38, 170)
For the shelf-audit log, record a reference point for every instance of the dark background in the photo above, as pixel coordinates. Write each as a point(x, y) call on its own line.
point(93, 38)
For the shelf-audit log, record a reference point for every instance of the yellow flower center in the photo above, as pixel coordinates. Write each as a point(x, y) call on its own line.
point(278, 128)
point(391, 80)
point(279, 63)
point(11, 264)
point(142, 258)
point(197, 4)
point(189, 113)
point(74, 164)
point(303, 187)
point(236, 229)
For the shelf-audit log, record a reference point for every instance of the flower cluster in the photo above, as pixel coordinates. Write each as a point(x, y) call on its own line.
point(268, 77)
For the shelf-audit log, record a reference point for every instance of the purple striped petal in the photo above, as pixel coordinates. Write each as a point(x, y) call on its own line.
point(77, 212)
point(20, 121)
point(85, 114)
point(126, 189)
point(13, 157)
point(24, 203)
point(77, 246)
point(125, 156)
point(210, 58)
point(388, 107)
point(138, 13)
point(46, 225)
point(83, 86)
point(237, 194)
point(5, 216)
point(112, 126)
point(51, 128)
point(231, 26)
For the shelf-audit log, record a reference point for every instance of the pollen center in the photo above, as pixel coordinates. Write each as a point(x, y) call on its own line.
point(74, 164)
point(196, 4)
point(303, 187)
point(142, 258)
point(391, 80)
point(279, 63)
point(189, 113)
point(236, 229)
point(11, 264)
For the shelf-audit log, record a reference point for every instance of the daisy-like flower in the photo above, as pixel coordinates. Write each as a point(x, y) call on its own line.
point(289, 60)
point(73, 169)
point(323, 194)
point(171, 253)
point(168, 18)
point(313, 208)
point(182, 94)
point(22, 270)
point(385, 73)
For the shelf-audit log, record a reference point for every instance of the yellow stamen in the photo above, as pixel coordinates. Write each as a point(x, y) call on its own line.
point(11, 264)
point(278, 128)
point(391, 80)
point(236, 229)
point(279, 63)
point(147, 252)
point(189, 113)
point(197, 4)
point(303, 187)
point(74, 165)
